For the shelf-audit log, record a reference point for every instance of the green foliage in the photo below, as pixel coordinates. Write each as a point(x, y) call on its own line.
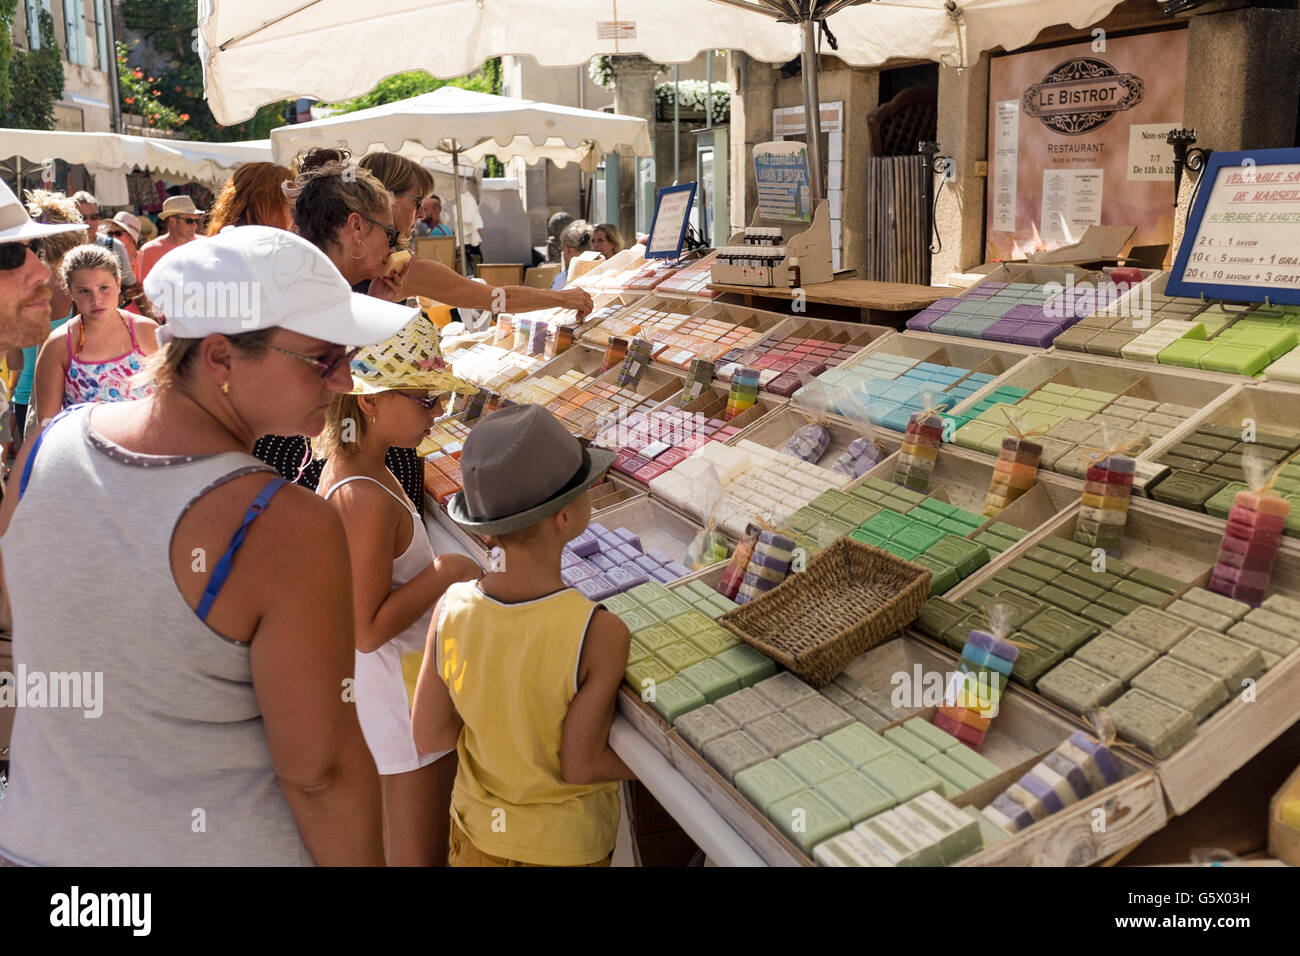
point(7, 10)
point(403, 86)
point(175, 81)
point(692, 97)
point(35, 80)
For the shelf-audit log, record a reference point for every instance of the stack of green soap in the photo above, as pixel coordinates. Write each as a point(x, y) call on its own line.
point(925, 831)
point(1208, 460)
point(999, 536)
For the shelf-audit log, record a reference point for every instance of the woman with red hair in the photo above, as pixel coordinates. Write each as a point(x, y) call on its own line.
point(253, 196)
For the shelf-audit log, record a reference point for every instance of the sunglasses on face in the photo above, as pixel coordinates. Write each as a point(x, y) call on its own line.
point(428, 402)
point(114, 233)
point(14, 254)
point(391, 231)
point(189, 220)
point(326, 367)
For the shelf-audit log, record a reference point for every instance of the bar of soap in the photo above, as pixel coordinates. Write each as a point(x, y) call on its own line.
point(1230, 660)
point(679, 656)
point(813, 761)
point(1158, 727)
point(977, 764)
point(931, 815)
point(1272, 621)
point(1281, 604)
point(902, 776)
point(807, 818)
point(784, 690)
point(777, 733)
point(1154, 629)
point(1059, 629)
point(818, 716)
point(1183, 686)
point(1200, 616)
point(1117, 656)
point(711, 679)
point(733, 753)
point(854, 795)
point(767, 782)
point(990, 833)
point(931, 734)
point(849, 849)
point(1270, 642)
point(907, 741)
point(954, 773)
point(647, 673)
point(749, 665)
point(714, 641)
point(704, 724)
point(746, 706)
point(902, 843)
point(1077, 687)
point(858, 745)
point(1218, 603)
point(675, 697)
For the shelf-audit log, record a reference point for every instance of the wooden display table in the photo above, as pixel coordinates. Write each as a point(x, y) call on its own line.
point(882, 303)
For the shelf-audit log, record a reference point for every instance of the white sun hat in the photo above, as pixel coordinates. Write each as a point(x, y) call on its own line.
point(247, 278)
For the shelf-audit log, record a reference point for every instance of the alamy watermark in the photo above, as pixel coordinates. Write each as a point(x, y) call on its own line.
point(922, 688)
point(215, 300)
point(78, 690)
point(1071, 299)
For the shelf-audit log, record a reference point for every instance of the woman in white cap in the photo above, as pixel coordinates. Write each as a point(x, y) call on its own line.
point(182, 219)
point(223, 622)
point(399, 387)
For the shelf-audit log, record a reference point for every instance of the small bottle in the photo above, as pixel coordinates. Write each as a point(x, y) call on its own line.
point(793, 273)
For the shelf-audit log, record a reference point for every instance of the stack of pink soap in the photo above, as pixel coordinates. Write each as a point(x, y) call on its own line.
point(1255, 526)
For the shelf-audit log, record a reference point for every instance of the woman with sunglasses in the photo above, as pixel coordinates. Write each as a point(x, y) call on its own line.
point(347, 213)
point(93, 357)
point(398, 389)
point(221, 620)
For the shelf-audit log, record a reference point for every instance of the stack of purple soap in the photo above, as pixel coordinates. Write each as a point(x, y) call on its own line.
point(1019, 313)
point(601, 563)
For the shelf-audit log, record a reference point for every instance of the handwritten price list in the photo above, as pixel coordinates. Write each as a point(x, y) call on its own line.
point(1250, 233)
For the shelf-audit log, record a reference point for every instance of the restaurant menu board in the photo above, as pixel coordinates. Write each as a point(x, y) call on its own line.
point(781, 173)
point(668, 230)
point(1242, 241)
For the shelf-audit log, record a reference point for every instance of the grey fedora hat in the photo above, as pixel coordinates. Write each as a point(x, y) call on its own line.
point(520, 465)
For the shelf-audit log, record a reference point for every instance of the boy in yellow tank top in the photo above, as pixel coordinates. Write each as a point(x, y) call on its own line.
point(520, 673)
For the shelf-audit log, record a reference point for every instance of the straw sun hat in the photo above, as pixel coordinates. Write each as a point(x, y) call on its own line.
point(410, 359)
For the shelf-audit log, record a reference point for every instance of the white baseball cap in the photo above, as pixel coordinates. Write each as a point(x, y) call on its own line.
point(17, 226)
point(247, 278)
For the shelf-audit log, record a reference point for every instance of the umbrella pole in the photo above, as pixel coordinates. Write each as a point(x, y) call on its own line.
point(812, 107)
point(460, 223)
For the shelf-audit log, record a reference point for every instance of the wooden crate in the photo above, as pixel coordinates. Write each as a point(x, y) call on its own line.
point(614, 490)
point(677, 309)
point(1023, 733)
point(961, 477)
point(1159, 383)
point(657, 525)
point(713, 404)
point(1166, 544)
point(581, 356)
point(1268, 405)
point(775, 429)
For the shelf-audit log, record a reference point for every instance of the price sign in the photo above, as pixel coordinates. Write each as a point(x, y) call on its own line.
point(1242, 241)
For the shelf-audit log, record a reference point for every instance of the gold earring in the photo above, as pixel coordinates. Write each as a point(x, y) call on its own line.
point(225, 388)
point(362, 254)
point(373, 419)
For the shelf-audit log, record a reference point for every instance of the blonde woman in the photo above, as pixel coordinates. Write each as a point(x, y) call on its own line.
point(94, 356)
point(398, 392)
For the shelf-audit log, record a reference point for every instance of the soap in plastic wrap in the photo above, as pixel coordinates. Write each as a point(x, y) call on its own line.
point(861, 456)
point(809, 443)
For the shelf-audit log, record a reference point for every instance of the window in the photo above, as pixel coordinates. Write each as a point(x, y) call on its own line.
point(74, 26)
point(33, 8)
point(106, 52)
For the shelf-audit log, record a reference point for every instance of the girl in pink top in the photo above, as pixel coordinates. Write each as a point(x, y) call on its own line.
point(93, 357)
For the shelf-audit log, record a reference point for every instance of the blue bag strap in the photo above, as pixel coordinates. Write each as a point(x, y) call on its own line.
point(31, 458)
point(222, 571)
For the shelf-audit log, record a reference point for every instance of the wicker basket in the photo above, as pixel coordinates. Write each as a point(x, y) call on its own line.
point(851, 597)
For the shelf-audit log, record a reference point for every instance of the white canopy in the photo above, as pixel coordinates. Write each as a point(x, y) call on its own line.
point(260, 51)
point(475, 125)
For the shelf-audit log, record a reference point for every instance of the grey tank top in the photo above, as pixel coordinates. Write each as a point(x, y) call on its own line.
point(176, 770)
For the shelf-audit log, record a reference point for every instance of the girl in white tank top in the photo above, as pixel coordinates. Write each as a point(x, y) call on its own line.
point(397, 579)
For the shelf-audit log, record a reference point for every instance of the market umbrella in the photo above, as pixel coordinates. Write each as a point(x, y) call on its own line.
point(259, 51)
point(455, 125)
